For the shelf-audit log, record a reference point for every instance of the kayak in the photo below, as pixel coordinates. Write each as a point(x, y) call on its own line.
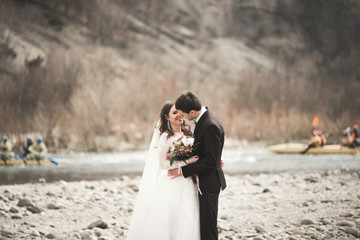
point(13, 162)
point(295, 148)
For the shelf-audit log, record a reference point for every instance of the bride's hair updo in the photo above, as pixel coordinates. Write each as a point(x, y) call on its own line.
point(164, 126)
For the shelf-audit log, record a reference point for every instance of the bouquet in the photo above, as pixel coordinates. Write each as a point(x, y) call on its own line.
point(182, 149)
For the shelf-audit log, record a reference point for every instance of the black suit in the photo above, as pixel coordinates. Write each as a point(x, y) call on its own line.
point(209, 133)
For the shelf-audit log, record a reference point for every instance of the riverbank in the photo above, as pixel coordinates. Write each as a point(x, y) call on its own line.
point(254, 206)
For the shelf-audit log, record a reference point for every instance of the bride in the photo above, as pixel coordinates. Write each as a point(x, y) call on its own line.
point(166, 209)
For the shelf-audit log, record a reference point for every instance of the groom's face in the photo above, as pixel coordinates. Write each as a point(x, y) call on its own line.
point(188, 116)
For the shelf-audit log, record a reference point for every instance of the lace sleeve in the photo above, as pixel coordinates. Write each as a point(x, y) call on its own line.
point(164, 146)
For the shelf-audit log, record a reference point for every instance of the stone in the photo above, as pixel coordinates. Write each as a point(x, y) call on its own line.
point(53, 206)
point(346, 215)
point(134, 187)
point(88, 235)
point(15, 217)
point(50, 236)
point(266, 190)
point(35, 233)
point(325, 222)
point(24, 202)
point(6, 234)
point(14, 210)
point(298, 232)
point(352, 231)
point(259, 229)
point(3, 198)
point(345, 224)
point(311, 179)
point(98, 224)
point(306, 222)
point(33, 209)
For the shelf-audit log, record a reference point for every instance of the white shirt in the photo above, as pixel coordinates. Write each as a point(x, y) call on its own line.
point(203, 110)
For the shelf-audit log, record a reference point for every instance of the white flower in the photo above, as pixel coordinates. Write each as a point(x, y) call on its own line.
point(188, 141)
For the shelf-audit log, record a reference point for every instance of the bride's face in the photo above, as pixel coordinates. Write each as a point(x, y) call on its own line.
point(175, 117)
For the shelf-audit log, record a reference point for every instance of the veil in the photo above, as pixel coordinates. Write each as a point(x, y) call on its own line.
point(150, 174)
point(152, 166)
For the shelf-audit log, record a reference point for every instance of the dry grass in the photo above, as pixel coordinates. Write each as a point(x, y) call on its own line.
point(83, 100)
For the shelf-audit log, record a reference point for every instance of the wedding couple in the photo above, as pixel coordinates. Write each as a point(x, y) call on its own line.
point(170, 205)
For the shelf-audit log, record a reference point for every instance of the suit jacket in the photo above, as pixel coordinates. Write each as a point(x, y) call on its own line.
point(209, 133)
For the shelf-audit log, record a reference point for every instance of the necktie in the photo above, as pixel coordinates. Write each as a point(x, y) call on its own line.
point(195, 122)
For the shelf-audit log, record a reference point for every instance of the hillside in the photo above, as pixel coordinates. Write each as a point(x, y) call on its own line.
point(92, 75)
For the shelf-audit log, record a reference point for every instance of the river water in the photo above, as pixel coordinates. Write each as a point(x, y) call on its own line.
point(96, 166)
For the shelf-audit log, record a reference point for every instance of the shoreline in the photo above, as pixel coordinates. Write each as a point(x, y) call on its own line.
point(287, 205)
point(117, 176)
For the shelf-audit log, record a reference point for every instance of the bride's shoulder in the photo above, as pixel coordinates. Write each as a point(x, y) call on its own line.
point(164, 134)
point(164, 138)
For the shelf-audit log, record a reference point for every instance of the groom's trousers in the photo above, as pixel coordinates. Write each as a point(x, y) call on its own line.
point(208, 215)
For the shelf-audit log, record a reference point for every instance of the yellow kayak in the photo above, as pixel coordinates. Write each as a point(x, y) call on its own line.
point(293, 148)
point(28, 162)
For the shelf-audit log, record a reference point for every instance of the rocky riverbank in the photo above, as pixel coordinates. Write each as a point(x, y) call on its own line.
point(260, 206)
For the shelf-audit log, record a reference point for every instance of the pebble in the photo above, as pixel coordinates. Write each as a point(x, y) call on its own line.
point(325, 222)
point(259, 229)
point(353, 232)
point(98, 224)
point(53, 206)
point(345, 224)
point(33, 209)
point(6, 234)
point(35, 233)
point(4, 199)
point(50, 236)
point(346, 215)
point(134, 188)
point(14, 210)
point(88, 235)
point(298, 232)
point(24, 202)
point(311, 179)
point(306, 222)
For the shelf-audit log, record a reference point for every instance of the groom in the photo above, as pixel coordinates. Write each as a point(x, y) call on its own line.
point(209, 133)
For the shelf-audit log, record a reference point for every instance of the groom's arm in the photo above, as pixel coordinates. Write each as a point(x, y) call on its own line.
point(211, 148)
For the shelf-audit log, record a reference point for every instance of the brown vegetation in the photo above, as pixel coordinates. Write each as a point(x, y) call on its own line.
point(95, 73)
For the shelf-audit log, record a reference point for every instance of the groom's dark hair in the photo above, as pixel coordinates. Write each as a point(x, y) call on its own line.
point(187, 102)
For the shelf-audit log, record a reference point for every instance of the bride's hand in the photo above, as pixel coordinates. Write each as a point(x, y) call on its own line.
point(193, 159)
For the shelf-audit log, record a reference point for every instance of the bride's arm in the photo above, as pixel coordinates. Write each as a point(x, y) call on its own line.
point(164, 146)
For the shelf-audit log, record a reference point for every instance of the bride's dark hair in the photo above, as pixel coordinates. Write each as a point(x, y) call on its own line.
point(164, 126)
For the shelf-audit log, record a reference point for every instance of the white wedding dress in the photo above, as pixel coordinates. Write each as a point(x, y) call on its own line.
point(165, 209)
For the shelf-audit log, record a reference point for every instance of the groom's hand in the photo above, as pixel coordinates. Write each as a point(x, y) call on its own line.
point(174, 173)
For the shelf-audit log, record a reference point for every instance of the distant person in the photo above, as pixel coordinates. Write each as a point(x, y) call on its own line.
point(29, 143)
point(347, 137)
point(314, 141)
point(355, 137)
point(323, 138)
point(5, 150)
point(38, 151)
